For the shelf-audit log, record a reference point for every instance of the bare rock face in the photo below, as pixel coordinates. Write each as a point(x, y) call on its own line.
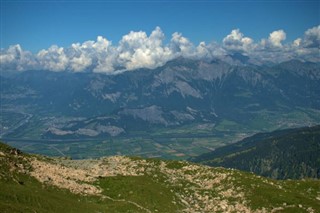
point(152, 114)
point(111, 130)
point(15, 151)
point(56, 131)
point(87, 132)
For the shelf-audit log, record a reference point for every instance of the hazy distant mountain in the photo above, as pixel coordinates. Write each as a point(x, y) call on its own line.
point(291, 153)
point(182, 91)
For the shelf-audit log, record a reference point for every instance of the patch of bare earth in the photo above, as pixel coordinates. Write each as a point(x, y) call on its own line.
point(203, 181)
point(76, 180)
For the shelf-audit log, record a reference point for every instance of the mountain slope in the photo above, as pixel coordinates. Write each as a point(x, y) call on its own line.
point(182, 109)
point(292, 153)
point(181, 92)
point(121, 184)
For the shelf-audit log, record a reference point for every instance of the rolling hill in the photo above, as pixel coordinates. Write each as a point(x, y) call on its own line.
point(282, 154)
point(33, 183)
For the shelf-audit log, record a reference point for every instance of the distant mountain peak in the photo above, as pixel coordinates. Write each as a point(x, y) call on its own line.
point(239, 57)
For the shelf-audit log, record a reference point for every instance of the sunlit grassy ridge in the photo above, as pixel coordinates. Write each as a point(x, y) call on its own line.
point(121, 184)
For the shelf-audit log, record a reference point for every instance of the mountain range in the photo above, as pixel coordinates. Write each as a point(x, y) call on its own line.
point(181, 92)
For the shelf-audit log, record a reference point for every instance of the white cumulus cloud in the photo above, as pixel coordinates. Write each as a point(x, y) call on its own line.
point(96, 54)
point(277, 37)
point(80, 63)
point(140, 50)
point(274, 40)
point(15, 58)
point(53, 59)
point(180, 45)
point(311, 38)
point(137, 50)
point(236, 41)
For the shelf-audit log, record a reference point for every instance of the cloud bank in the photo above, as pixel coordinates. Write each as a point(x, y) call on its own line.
point(139, 50)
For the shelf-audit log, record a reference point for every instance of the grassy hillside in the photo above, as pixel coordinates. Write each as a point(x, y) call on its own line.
point(120, 184)
point(283, 154)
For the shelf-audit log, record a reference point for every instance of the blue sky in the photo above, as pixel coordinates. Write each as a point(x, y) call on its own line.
point(37, 25)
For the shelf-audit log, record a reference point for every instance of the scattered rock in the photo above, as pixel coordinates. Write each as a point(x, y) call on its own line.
point(15, 151)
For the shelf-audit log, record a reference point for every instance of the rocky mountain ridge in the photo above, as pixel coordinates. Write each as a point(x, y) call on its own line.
point(181, 92)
